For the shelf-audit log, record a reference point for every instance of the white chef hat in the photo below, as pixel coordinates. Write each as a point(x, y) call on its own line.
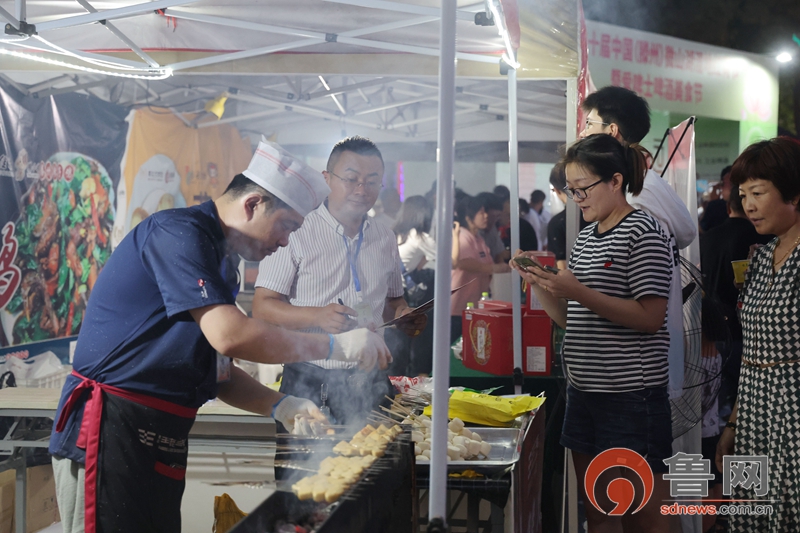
point(288, 178)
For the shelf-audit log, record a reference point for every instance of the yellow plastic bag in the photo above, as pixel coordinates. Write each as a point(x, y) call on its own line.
point(488, 410)
point(226, 514)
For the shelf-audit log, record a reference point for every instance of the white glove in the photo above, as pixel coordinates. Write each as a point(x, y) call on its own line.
point(290, 406)
point(361, 346)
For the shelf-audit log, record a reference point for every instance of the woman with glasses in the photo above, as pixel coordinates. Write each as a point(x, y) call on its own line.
point(612, 301)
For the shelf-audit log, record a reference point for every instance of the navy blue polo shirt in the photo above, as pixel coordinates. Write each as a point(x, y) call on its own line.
point(137, 333)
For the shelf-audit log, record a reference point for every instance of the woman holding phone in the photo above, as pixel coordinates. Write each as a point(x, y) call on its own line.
point(612, 301)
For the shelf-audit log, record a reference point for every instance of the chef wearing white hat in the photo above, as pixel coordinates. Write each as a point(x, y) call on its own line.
point(148, 354)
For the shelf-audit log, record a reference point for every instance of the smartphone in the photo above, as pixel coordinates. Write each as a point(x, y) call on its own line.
point(526, 262)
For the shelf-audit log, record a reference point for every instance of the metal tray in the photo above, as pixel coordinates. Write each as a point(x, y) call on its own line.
point(506, 444)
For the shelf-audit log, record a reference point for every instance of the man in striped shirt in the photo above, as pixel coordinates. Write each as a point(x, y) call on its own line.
point(340, 270)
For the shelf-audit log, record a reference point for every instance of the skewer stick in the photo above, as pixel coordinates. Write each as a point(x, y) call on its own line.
point(395, 413)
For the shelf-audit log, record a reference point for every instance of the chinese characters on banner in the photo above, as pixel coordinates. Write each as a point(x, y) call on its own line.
point(684, 77)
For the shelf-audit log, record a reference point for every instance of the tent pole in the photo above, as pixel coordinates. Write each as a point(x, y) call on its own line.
point(573, 213)
point(20, 10)
point(513, 162)
point(441, 311)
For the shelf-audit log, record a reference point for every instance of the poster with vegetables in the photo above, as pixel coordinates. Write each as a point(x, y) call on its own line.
point(58, 173)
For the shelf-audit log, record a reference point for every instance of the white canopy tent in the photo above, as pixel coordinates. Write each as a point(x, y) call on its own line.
point(299, 68)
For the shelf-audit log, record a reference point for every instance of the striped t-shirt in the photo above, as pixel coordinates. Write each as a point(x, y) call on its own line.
point(629, 261)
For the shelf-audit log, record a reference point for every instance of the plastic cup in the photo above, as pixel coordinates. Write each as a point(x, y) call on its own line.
point(739, 268)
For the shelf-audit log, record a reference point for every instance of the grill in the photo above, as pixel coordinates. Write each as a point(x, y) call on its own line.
point(382, 500)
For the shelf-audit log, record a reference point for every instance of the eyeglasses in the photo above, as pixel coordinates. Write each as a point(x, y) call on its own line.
point(353, 184)
point(579, 193)
point(588, 123)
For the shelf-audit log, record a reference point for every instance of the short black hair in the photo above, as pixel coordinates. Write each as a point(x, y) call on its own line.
point(538, 196)
point(524, 207)
point(725, 170)
point(503, 192)
point(735, 203)
point(558, 177)
point(468, 207)
point(491, 202)
point(241, 185)
point(623, 107)
point(356, 144)
point(776, 160)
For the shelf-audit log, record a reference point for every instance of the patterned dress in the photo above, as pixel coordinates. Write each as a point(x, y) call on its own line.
point(768, 421)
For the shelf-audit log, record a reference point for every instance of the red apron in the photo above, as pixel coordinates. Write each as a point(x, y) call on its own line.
point(91, 425)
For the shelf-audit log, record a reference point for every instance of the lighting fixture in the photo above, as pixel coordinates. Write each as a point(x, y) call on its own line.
point(784, 57)
point(137, 74)
point(508, 56)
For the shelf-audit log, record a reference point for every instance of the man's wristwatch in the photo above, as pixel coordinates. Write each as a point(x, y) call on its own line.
point(731, 425)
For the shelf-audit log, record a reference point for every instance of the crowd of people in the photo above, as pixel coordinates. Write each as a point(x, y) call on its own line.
point(159, 333)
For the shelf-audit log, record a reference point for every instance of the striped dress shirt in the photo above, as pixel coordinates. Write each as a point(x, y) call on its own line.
point(314, 270)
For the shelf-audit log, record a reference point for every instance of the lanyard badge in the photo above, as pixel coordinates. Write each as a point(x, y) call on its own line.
point(363, 308)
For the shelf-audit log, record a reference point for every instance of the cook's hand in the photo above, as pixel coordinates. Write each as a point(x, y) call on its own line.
point(290, 406)
point(413, 326)
point(725, 446)
point(335, 318)
point(361, 346)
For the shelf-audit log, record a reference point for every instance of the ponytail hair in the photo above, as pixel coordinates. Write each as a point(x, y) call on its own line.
point(604, 156)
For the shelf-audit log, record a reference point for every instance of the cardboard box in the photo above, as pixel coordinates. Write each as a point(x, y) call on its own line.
point(488, 341)
point(7, 484)
point(42, 508)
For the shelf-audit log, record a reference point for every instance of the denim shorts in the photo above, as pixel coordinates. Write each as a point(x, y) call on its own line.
point(639, 420)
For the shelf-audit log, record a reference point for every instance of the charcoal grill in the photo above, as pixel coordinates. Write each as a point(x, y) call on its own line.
point(382, 500)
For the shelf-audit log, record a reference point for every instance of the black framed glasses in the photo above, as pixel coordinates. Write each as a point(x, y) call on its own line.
point(353, 184)
point(579, 193)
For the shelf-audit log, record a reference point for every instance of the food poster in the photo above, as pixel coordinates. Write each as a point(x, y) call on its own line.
point(59, 167)
point(168, 164)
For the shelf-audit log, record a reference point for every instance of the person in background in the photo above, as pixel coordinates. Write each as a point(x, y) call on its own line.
point(418, 254)
point(765, 418)
point(714, 209)
point(387, 207)
point(714, 334)
point(160, 329)
point(527, 235)
point(472, 260)
point(625, 115)
point(730, 241)
point(493, 206)
point(557, 227)
point(539, 217)
point(502, 192)
point(339, 271)
point(612, 301)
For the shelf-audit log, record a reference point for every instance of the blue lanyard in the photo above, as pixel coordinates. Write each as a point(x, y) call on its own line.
point(353, 258)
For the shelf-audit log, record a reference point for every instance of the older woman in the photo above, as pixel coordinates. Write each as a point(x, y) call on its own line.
point(612, 301)
point(765, 420)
